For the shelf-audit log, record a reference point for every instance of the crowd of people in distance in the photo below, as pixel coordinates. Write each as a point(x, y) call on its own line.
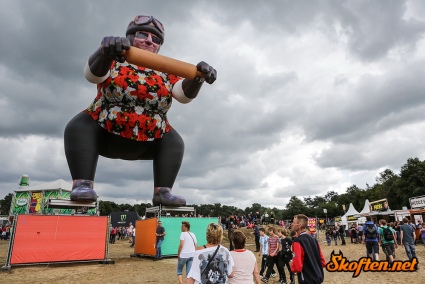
point(121, 233)
point(287, 250)
point(5, 232)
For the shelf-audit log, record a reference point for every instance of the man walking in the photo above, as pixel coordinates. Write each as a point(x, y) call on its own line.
point(371, 239)
point(160, 233)
point(186, 250)
point(388, 240)
point(308, 261)
point(407, 235)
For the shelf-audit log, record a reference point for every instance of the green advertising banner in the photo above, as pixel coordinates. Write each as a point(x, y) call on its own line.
point(20, 203)
point(172, 227)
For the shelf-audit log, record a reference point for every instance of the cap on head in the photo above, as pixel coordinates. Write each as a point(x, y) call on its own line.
point(143, 23)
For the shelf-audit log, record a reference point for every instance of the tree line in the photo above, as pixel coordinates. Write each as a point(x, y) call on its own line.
point(397, 188)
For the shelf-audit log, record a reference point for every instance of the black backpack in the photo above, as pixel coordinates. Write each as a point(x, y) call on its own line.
point(371, 232)
point(388, 234)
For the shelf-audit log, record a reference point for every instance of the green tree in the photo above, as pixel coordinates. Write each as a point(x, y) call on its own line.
point(5, 204)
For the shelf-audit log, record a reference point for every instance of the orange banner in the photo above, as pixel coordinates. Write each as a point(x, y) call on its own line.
point(49, 238)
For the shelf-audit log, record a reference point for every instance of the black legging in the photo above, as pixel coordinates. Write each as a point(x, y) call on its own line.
point(85, 140)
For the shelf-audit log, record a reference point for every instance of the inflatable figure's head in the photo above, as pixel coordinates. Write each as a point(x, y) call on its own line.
point(149, 24)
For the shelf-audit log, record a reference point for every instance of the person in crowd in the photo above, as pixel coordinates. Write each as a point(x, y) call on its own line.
point(335, 235)
point(273, 257)
point(407, 235)
point(387, 236)
point(353, 233)
point(130, 232)
point(246, 268)
point(285, 254)
point(230, 229)
point(133, 239)
point(160, 234)
point(341, 233)
point(328, 235)
point(186, 250)
point(257, 236)
point(397, 231)
point(113, 235)
point(128, 118)
point(308, 260)
point(272, 218)
point(213, 263)
point(264, 252)
point(371, 239)
point(359, 233)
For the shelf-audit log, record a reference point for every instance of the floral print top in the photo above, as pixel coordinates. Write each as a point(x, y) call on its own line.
point(133, 102)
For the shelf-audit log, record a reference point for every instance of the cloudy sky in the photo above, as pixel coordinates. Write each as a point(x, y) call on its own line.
point(311, 96)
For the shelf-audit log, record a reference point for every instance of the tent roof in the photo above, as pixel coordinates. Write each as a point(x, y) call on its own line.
point(366, 208)
point(351, 210)
point(57, 184)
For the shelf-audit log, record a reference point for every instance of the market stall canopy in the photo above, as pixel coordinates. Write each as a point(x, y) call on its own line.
point(351, 211)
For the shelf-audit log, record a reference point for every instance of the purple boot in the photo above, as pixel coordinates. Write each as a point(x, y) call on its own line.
point(163, 196)
point(82, 190)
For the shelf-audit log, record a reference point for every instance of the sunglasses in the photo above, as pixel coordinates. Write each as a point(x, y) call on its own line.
point(144, 20)
point(145, 35)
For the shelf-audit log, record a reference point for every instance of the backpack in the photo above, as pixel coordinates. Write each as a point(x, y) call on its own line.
point(371, 232)
point(388, 234)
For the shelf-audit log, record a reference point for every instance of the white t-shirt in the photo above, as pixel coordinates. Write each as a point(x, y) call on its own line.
point(188, 249)
point(244, 267)
point(219, 268)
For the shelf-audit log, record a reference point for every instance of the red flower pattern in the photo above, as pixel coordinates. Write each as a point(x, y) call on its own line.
point(133, 102)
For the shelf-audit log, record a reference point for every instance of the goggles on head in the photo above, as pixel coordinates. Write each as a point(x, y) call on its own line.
point(145, 20)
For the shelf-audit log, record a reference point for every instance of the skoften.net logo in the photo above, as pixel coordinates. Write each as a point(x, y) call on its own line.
point(339, 263)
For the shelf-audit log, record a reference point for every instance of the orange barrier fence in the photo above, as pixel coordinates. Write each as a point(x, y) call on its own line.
point(51, 238)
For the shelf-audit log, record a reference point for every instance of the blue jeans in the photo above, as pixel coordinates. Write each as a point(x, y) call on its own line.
point(410, 250)
point(180, 264)
point(158, 248)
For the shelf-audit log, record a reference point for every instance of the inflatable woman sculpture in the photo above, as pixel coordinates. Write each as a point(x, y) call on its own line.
point(128, 118)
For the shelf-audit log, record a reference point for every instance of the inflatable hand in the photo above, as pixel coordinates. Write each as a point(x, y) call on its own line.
point(113, 47)
point(209, 72)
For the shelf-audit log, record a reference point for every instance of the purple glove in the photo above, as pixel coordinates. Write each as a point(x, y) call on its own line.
point(209, 72)
point(113, 47)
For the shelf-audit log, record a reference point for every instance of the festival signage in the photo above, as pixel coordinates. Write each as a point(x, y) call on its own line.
point(379, 205)
point(19, 206)
point(417, 202)
point(36, 202)
point(311, 222)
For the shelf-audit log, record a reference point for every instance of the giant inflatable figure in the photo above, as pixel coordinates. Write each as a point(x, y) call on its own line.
point(128, 118)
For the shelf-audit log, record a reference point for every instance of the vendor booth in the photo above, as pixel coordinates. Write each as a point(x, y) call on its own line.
point(36, 199)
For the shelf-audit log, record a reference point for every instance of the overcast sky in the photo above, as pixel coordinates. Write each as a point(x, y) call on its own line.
point(311, 96)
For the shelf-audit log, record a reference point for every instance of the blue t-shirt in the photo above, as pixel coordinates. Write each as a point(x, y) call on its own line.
point(264, 241)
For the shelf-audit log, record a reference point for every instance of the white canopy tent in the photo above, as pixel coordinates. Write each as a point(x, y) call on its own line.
point(351, 212)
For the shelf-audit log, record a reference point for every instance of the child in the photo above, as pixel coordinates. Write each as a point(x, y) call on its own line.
point(285, 254)
point(328, 237)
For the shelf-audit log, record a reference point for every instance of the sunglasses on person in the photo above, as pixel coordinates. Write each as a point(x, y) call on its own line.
point(145, 35)
point(145, 20)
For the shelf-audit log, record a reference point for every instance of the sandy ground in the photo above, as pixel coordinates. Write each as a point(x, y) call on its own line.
point(143, 270)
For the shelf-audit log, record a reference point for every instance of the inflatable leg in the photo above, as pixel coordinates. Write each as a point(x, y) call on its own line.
point(166, 165)
point(82, 190)
point(82, 136)
point(163, 196)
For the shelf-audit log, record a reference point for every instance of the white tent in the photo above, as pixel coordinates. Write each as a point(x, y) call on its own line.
point(350, 212)
point(366, 208)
